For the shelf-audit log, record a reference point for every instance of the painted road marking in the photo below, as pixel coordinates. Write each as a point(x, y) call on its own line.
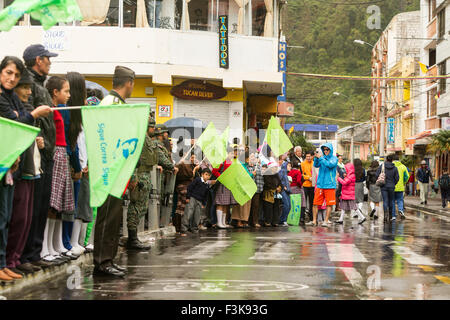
point(354, 277)
point(444, 279)
point(412, 257)
point(208, 249)
point(427, 268)
point(346, 252)
point(270, 251)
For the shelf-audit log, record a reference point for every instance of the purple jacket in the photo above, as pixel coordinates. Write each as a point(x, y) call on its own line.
point(348, 183)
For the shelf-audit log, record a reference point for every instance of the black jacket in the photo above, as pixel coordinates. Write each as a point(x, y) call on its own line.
point(423, 175)
point(198, 190)
point(272, 182)
point(371, 177)
point(391, 175)
point(39, 97)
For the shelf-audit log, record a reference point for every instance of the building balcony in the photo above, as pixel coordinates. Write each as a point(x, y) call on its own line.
point(432, 28)
point(432, 123)
point(162, 54)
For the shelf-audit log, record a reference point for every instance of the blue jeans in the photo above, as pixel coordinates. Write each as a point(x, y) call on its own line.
point(388, 195)
point(286, 200)
point(399, 201)
point(6, 202)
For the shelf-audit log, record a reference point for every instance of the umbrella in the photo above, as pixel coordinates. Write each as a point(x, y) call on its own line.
point(193, 128)
point(94, 85)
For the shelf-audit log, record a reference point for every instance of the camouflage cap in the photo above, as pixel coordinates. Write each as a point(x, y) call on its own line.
point(160, 129)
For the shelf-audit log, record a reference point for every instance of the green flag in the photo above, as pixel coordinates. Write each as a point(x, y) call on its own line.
point(16, 138)
point(239, 182)
point(114, 138)
point(48, 12)
point(276, 138)
point(213, 146)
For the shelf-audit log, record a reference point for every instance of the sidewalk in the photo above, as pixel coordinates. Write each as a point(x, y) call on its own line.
point(434, 205)
point(70, 267)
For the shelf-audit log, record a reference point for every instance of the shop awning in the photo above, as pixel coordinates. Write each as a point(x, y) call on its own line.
point(423, 134)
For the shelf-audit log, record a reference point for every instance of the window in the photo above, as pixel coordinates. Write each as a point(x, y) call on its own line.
point(327, 135)
point(312, 135)
point(356, 151)
point(129, 13)
point(431, 105)
point(442, 82)
point(432, 57)
point(406, 91)
point(441, 23)
point(112, 17)
point(258, 17)
point(431, 9)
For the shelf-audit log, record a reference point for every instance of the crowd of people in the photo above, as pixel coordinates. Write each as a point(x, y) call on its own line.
point(45, 213)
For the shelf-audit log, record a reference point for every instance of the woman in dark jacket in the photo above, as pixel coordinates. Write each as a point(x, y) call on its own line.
point(271, 196)
point(387, 190)
point(360, 175)
point(374, 190)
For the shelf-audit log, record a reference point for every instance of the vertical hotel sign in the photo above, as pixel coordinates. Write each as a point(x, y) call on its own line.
point(282, 59)
point(391, 128)
point(223, 42)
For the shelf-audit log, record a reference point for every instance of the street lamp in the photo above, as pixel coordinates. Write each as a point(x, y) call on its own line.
point(363, 42)
point(353, 119)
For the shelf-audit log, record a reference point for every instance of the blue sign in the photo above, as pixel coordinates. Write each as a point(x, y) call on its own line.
point(282, 59)
point(390, 130)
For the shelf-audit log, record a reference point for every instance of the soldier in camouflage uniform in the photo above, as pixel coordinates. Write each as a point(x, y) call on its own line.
point(160, 131)
point(140, 187)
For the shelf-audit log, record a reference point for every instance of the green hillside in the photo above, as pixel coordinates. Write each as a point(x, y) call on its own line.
point(326, 30)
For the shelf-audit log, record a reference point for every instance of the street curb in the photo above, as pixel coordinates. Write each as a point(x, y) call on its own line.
point(441, 212)
point(85, 259)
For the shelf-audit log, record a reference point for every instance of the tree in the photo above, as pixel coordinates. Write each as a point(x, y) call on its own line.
point(440, 142)
point(297, 139)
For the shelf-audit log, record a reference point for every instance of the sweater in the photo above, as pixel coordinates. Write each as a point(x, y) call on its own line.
point(59, 125)
point(296, 176)
point(198, 190)
point(307, 167)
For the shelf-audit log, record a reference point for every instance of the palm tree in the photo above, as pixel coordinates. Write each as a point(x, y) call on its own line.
point(440, 142)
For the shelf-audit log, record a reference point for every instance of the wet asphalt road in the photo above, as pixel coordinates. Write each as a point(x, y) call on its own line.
point(407, 259)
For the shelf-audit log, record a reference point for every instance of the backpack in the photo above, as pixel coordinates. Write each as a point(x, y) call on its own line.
point(381, 178)
point(444, 182)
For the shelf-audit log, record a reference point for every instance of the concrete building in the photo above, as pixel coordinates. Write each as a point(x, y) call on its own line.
point(173, 46)
point(435, 98)
point(361, 141)
point(395, 102)
point(317, 134)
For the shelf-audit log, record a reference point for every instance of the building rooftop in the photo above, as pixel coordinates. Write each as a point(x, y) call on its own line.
point(312, 127)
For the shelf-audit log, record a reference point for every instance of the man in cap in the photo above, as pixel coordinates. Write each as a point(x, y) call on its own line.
point(37, 61)
point(167, 185)
point(140, 188)
point(109, 215)
point(424, 176)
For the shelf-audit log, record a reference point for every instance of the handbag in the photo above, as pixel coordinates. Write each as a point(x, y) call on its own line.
point(381, 178)
point(293, 218)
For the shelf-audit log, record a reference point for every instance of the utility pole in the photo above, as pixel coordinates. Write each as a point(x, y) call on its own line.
point(353, 134)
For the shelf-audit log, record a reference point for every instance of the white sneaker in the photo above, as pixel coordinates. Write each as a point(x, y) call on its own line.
point(325, 224)
point(77, 251)
point(90, 246)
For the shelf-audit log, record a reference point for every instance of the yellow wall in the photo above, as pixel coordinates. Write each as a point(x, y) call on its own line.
point(162, 93)
point(263, 104)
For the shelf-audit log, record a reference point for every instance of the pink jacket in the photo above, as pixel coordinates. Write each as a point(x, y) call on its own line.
point(348, 183)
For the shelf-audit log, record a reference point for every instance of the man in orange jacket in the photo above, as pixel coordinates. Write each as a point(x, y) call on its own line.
point(307, 167)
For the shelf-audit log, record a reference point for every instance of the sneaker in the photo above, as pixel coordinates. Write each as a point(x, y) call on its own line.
point(311, 224)
point(393, 218)
point(362, 221)
point(201, 227)
point(284, 224)
point(402, 215)
point(325, 224)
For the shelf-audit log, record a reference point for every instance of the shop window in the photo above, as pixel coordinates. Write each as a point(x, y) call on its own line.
point(431, 9)
point(129, 13)
point(258, 17)
point(312, 135)
point(198, 15)
point(443, 82)
point(164, 14)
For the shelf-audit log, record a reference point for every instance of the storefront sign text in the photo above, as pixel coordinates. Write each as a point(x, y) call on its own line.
point(198, 90)
point(223, 42)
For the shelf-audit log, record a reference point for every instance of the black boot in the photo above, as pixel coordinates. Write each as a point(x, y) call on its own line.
point(134, 243)
point(302, 216)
